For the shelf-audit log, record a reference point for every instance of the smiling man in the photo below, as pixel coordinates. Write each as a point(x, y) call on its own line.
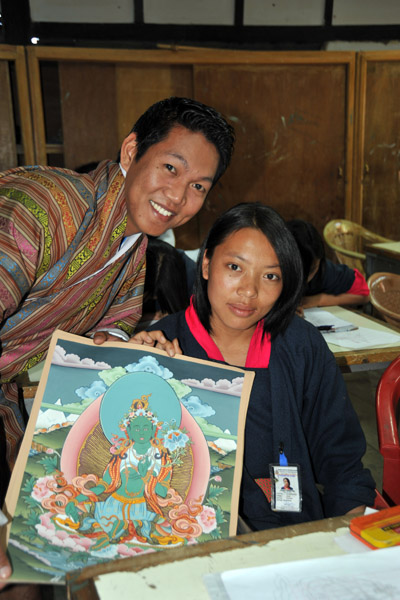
point(168, 185)
point(72, 246)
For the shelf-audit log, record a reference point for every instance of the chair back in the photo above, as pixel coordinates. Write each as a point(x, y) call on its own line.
point(387, 416)
point(385, 296)
point(348, 239)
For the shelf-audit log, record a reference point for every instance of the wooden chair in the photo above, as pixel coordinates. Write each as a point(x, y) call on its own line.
point(387, 415)
point(385, 296)
point(347, 239)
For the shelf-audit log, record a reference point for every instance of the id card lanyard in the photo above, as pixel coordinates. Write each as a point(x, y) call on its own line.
point(286, 493)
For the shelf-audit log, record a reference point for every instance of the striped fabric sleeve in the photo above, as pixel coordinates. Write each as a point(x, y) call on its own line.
point(20, 236)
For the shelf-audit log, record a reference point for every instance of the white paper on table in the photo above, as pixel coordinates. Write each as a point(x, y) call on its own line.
point(371, 575)
point(322, 318)
point(361, 338)
point(355, 339)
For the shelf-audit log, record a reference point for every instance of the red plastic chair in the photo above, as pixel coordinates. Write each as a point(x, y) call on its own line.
point(380, 502)
point(387, 411)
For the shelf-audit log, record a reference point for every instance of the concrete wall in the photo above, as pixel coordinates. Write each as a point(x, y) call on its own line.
point(218, 12)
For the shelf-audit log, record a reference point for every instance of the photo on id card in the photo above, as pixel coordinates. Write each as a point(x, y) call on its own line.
point(286, 488)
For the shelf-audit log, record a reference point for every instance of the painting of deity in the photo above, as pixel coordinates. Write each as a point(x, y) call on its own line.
point(127, 451)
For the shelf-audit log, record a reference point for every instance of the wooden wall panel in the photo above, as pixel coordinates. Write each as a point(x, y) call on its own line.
point(292, 112)
point(8, 148)
point(89, 112)
point(98, 115)
point(380, 168)
point(15, 110)
point(290, 122)
point(138, 86)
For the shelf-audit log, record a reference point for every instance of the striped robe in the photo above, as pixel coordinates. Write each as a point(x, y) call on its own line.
point(56, 228)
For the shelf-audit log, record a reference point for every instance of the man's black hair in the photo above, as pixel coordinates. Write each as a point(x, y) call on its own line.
point(158, 120)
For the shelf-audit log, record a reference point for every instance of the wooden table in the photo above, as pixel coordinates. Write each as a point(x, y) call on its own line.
point(347, 358)
point(382, 257)
point(175, 566)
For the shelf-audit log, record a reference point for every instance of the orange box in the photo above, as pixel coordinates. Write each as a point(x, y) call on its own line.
point(378, 530)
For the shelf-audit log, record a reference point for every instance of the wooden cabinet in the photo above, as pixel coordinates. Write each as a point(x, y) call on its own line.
point(317, 132)
point(292, 112)
point(16, 146)
point(293, 118)
point(376, 200)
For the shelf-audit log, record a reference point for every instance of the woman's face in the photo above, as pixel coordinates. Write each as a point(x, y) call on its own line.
point(244, 280)
point(141, 430)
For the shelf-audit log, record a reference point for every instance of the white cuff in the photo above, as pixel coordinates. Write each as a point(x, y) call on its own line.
point(113, 331)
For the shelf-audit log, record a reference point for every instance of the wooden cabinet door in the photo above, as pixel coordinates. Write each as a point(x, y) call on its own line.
point(294, 129)
point(16, 146)
point(377, 162)
point(292, 112)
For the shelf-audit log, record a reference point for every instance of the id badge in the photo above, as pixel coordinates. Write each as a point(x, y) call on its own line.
point(286, 488)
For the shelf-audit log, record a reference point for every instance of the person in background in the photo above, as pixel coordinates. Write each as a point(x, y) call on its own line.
point(169, 281)
point(325, 283)
point(72, 246)
point(248, 285)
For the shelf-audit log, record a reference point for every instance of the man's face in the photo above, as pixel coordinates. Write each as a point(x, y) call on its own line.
point(170, 182)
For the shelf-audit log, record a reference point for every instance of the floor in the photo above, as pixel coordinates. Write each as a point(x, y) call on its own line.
point(361, 386)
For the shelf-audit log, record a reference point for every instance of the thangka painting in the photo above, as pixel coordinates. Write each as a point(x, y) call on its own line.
point(127, 451)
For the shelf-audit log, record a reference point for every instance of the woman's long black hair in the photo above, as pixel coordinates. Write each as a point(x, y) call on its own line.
point(310, 245)
point(165, 287)
point(270, 223)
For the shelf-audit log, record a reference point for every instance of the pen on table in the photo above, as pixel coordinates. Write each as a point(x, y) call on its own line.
point(333, 329)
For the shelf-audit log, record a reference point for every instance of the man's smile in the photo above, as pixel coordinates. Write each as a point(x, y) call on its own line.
point(163, 211)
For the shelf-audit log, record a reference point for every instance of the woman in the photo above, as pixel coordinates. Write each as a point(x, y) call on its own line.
point(286, 484)
point(135, 478)
point(325, 283)
point(137, 475)
point(249, 283)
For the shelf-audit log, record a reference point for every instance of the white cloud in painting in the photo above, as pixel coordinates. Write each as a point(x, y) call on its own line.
point(197, 408)
point(226, 445)
point(149, 364)
point(61, 358)
point(96, 389)
point(224, 386)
